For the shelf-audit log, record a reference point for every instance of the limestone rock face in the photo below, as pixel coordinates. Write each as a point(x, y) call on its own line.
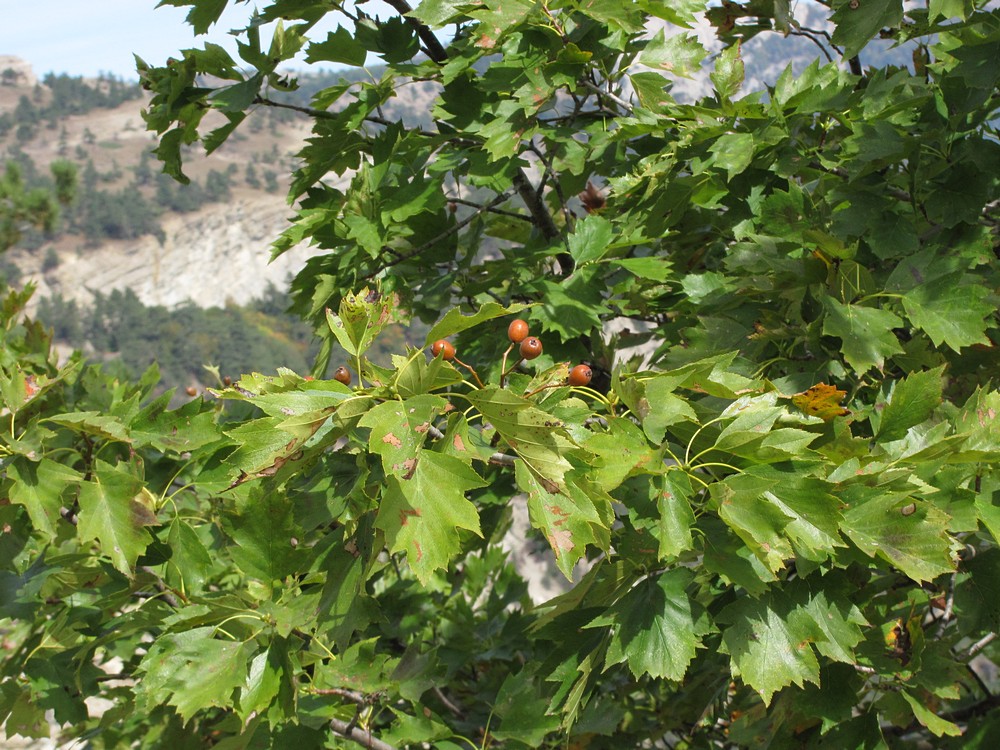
point(16, 72)
point(217, 255)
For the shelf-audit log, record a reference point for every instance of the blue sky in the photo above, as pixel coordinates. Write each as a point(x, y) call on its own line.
point(85, 37)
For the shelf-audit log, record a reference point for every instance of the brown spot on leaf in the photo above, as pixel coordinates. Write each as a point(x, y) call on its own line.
point(458, 443)
point(551, 487)
point(557, 511)
point(410, 465)
point(392, 440)
point(561, 540)
point(422, 428)
point(404, 516)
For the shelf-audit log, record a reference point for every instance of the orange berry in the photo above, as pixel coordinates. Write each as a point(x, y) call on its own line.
point(531, 347)
point(342, 375)
point(444, 348)
point(580, 375)
point(517, 331)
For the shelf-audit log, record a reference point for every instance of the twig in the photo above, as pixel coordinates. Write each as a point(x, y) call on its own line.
point(607, 94)
point(447, 703)
point(979, 645)
point(360, 736)
point(500, 211)
point(165, 593)
point(351, 695)
point(443, 236)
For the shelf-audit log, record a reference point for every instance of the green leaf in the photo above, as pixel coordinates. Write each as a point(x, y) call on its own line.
point(939, 727)
point(858, 23)
point(657, 627)
point(620, 451)
point(361, 317)
point(570, 519)
point(454, 322)
point(729, 73)
point(950, 311)
point(522, 711)
point(338, 47)
point(40, 487)
point(93, 423)
point(262, 527)
point(911, 402)
point(910, 534)
point(835, 619)
point(399, 429)
point(769, 645)
point(733, 152)
point(263, 682)
point(422, 511)
point(189, 557)
point(239, 96)
point(203, 13)
point(192, 671)
point(680, 55)
point(809, 502)
point(761, 525)
point(866, 333)
point(536, 437)
point(115, 509)
point(592, 238)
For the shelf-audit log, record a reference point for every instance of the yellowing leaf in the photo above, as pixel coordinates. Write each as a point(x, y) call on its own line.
point(821, 401)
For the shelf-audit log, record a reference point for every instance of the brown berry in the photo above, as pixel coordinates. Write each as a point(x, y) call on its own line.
point(227, 381)
point(593, 199)
point(580, 375)
point(517, 331)
point(531, 347)
point(191, 390)
point(444, 348)
point(342, 375)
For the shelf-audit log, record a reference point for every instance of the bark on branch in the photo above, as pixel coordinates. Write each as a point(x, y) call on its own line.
point(356, 734)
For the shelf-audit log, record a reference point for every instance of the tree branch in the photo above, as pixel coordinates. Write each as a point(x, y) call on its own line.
point(608, 95)
point(360, 736)
point(536, 206)
point(481, 207)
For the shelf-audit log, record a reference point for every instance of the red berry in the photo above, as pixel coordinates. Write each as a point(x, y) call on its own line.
point(517, 331)
point(444, 348)
point(342, 375)
point(531, 347)
point(580, 375)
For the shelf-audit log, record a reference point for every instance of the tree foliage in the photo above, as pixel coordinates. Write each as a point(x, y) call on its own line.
point(780, 521)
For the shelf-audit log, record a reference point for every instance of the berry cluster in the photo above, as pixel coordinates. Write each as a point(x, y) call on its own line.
point(529, 347)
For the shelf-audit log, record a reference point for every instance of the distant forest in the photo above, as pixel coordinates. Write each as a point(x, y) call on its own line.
point(261, 336)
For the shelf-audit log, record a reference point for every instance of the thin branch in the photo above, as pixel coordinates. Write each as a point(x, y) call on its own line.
point(808, 35)
point(167, 594)
point(979, 645)
point(500, 211)
point(443, 236)
point(448, 704)
point(608, 95)
point(312, 112)
point(351, 695)
point(360, 736)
